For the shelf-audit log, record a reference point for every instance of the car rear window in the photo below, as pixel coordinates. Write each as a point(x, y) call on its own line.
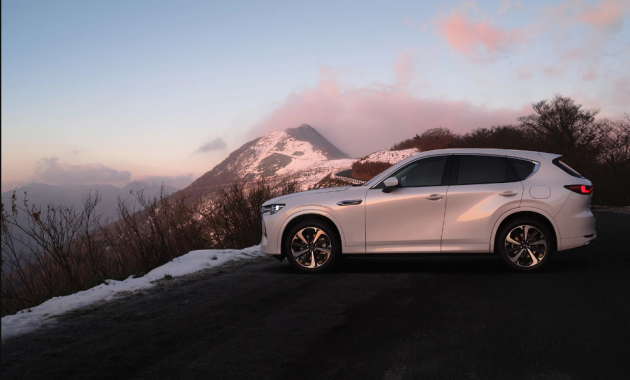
point(566, 168)
point(523, 168)
point(484, 169)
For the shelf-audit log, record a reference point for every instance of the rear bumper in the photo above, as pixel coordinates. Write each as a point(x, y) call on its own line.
point(580, 241)
point(575, 221)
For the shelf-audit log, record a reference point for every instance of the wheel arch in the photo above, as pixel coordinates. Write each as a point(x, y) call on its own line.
point(305, 215)
point(526, 212)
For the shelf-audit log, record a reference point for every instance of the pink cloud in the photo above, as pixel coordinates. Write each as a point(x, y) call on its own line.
point(507, 4)
point(589, 75)
point(362, 120)
point(552, 71)
point(403, 69)
point(478, 41)
point(523, 73)
point(621, 93)
point(606, 14)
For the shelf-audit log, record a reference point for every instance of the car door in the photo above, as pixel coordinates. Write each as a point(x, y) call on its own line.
point(409, 218)
point(482, 188)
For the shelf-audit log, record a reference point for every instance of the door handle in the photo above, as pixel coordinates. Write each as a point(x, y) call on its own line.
point(350, 203)
point(434, 197)
point(508, 193)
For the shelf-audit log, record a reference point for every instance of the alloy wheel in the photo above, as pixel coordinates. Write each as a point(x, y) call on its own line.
point(525, 246)
point(311, 247)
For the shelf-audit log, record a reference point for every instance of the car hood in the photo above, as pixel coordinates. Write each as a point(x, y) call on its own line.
point(308, 192)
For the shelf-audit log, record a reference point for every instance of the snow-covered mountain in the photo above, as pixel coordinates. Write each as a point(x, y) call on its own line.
point(299, 153)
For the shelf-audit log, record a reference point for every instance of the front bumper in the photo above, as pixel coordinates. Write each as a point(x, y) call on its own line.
point(271, 232)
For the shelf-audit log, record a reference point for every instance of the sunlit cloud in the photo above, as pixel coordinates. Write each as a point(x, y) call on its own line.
point(362, 120)
point(475, 35)
point(589, 75)
point(51, 171)
point(552, 71)
point(403, 69)
point(605, 14)
point(506, 5)
point(524, 72)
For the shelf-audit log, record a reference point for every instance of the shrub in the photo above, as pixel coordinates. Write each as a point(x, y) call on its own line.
point(368, 170)
point(597, 148)
point(431, 139)
point(61, 250)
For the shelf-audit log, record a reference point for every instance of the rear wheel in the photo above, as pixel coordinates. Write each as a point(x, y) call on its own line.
point(312, 246)
point(524, 244)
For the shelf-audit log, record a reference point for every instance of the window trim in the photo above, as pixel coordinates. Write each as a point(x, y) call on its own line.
point(455, 172)
point(566, 168)
point(536, 166)
point(452, 163)
point(447, 166)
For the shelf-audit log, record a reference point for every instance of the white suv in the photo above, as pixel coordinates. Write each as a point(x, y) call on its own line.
point(520, 205)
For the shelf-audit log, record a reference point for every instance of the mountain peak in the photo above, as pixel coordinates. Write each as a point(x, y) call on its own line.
point(309, 134)
point(277, 154)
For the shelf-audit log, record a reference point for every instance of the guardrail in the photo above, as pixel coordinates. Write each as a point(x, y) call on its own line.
point(347, 179)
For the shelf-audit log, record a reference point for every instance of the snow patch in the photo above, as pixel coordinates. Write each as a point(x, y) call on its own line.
point(280, 142)
point(391, 156)
point(28, 320)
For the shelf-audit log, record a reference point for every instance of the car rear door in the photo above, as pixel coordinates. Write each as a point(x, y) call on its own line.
point(482, 188)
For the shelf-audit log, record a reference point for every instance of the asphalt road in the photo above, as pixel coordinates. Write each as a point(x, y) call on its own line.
point(373, 318)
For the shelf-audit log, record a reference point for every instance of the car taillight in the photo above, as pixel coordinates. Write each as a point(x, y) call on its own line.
point(580, 189)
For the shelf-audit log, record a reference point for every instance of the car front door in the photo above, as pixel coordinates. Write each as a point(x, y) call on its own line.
point(483, 188)
point(409, 218)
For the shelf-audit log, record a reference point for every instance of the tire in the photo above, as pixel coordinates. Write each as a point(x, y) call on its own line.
point(312, 257)
point(529, 255)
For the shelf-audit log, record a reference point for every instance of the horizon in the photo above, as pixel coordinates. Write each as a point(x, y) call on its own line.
point(163, 91)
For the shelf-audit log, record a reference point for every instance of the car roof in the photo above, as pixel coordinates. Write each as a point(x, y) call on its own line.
point(526, 154)
point(532, 155)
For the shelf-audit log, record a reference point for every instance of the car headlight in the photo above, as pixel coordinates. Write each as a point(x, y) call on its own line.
point(271, 209)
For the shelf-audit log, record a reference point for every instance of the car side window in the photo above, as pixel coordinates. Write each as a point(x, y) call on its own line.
point(426, 172)
point(474, 170)
point(523, 168)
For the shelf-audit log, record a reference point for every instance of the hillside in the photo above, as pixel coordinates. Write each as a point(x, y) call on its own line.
point(389, 156)
point(373, 164)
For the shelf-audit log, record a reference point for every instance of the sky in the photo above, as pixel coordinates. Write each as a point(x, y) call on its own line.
point(115, 91)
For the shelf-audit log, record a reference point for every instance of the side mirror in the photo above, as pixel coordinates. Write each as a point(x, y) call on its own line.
point(390, 184)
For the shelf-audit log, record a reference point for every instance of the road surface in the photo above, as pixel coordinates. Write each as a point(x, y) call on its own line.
point(372, 318)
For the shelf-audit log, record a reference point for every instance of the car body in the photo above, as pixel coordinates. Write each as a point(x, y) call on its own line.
point(440, 202)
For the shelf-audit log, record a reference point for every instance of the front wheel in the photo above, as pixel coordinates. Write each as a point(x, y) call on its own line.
point(312, 246)
point(525, 244)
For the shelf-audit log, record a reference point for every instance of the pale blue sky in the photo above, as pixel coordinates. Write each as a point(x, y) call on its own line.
point(139, 86)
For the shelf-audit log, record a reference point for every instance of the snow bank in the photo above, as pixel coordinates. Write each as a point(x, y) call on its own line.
point(26, 321)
